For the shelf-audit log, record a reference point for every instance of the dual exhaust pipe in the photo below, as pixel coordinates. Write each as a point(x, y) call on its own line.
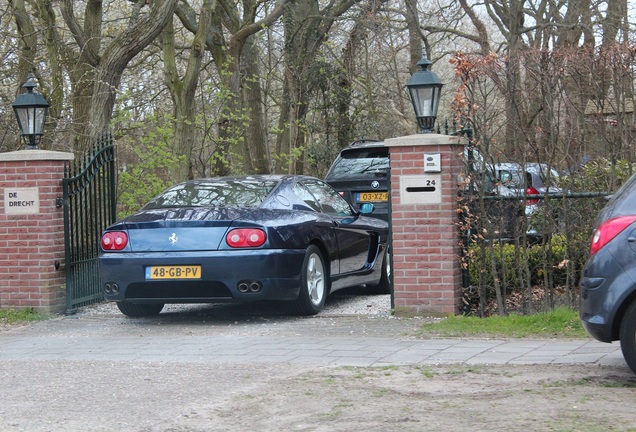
point(111, 288)
point(243, 286)
point(250, 286)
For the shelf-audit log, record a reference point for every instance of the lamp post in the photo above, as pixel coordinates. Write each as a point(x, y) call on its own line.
point(425, 88)
point(30, 111)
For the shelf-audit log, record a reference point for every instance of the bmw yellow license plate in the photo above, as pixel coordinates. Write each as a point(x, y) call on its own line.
point(173, 272)
point(372, 196)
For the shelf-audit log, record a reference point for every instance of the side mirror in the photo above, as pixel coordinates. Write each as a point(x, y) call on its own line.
point(367, 208)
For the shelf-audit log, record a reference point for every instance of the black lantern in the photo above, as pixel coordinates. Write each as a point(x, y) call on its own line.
point(30, 110)
point(425, 88)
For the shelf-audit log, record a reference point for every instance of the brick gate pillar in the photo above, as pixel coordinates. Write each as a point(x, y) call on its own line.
point(425, 169)
point(32, 230)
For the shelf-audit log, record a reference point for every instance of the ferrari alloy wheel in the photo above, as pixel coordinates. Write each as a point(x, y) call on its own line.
point(628, 336)
point(314, 283)
point(135, 310)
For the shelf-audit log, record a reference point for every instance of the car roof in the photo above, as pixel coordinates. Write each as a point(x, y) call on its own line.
point(507, 166)
point(533, 167)
point(254, 177)
point(364, 143)
point(621, 203)
point(360, 146)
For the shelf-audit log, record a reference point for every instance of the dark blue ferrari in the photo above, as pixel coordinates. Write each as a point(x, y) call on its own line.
point(241, 239)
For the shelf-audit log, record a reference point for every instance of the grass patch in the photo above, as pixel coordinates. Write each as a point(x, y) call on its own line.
point(560, 322)
point(20, 316)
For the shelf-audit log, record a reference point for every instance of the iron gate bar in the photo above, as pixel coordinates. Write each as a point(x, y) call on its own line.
point(89, 202)
point(466, 236)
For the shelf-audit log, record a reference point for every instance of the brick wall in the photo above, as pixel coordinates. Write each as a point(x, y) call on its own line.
point(426, 253)
point(32, 245)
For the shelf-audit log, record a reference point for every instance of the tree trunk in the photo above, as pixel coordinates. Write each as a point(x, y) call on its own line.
point(255, 133)
point(27, 48)
point(306, 27)
point(56, 91)
point(344, 125)
point(28, 42)
point(415, 35)
point(239, 102)
point(116, 57)
point(183, 91)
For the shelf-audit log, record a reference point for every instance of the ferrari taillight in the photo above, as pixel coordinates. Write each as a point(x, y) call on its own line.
point(246, 237)
point(114, 240)
point(608, 230)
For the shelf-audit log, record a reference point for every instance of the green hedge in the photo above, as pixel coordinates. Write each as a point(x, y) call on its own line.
point(510, 263)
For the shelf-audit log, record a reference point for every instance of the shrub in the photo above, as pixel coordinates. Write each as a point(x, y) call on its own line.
point(510, 263)
point(546, 279)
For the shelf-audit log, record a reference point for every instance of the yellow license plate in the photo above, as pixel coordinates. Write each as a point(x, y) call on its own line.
point(173, 272)
point(373, 196)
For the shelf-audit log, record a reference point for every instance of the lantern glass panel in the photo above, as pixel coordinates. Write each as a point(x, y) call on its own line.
point(31, 120)
point(422, 100)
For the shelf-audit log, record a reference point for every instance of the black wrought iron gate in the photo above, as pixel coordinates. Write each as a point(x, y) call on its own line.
point(89, 206)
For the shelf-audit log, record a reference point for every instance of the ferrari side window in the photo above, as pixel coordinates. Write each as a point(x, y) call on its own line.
point(330, 201)
point(304, 194)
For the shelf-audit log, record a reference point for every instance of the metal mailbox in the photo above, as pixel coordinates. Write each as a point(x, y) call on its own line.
point(421, 189)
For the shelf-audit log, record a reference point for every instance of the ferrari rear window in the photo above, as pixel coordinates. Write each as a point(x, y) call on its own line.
point(221, 193)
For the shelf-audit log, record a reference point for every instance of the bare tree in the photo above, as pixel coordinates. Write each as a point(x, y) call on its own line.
point(94, 63)
point(182, 89)
point(240, 95)
point(306, 29)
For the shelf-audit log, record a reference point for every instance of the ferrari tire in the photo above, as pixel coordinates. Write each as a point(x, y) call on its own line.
point(139, 310)
point(384, 286)
point(628, 336)
point(314, 283)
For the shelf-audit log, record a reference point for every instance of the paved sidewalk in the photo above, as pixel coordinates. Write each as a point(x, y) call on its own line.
point(230, 368)
point(304, 342)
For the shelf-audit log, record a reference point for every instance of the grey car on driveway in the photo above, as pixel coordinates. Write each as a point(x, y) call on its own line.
point(608, 282)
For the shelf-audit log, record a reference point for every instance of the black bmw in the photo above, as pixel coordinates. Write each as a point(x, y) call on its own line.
point(240, 239)
point(360, 175)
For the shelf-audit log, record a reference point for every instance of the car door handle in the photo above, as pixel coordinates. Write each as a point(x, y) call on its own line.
point(631, 239)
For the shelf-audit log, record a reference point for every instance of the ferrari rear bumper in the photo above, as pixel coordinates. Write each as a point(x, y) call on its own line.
point(224, 276)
